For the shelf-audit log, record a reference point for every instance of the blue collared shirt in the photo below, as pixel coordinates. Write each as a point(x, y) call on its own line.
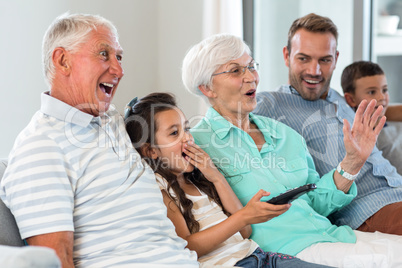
point(320, 123)
point(282, 163)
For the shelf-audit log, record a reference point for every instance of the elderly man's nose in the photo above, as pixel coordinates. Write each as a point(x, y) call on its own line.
point(116, 68)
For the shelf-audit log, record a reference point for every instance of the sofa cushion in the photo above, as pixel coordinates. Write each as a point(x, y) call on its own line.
point(9, 234)
point(28, 257)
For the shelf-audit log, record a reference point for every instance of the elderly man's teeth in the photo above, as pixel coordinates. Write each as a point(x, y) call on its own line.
point(107, 84)
point(312, 81)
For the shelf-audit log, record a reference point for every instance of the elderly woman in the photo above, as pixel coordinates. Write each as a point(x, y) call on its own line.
point(255, 152)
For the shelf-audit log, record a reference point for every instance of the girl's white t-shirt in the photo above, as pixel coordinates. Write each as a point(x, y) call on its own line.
point(208, 213)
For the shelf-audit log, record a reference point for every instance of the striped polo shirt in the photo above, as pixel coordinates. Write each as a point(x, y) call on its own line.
point(70, 171)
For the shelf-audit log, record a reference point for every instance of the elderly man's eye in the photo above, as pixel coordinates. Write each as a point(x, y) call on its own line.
point(103, 53)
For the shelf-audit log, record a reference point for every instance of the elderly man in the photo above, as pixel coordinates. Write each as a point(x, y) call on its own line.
point(312, 108)
point(74, 182)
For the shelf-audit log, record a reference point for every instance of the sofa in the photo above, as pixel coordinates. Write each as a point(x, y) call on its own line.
point(9, 234)
point(13, 253)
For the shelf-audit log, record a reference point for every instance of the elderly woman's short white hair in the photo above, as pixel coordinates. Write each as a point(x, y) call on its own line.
point(204, 58)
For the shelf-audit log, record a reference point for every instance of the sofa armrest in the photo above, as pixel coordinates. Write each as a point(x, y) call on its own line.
point(9, 234)
point(28, 257)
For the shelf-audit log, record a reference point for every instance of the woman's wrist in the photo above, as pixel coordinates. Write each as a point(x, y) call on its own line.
point(350, 166)
point(346, 174)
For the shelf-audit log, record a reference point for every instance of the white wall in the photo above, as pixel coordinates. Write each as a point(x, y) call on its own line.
point(272, 26)
point(179, 28)
point(155, 35)
point(273, 20)
point(341, 13)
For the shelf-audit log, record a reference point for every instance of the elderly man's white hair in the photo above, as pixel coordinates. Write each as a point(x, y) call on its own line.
point(204, 58)
point(69, 31)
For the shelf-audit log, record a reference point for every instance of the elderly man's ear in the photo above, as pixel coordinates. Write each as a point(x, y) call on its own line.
point(207, 91)
point(60, 60)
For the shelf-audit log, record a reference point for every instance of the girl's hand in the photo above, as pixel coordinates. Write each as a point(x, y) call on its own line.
point(201, 160)
point(256, 211)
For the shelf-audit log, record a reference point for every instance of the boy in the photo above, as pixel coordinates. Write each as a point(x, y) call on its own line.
point(366, 80)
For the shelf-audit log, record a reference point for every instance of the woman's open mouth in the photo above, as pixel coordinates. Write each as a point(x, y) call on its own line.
point(251, 93)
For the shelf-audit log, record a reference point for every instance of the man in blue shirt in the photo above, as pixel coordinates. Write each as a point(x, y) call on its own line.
point(312, 108)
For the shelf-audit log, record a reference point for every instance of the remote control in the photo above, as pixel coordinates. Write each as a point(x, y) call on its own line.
point(291, 194)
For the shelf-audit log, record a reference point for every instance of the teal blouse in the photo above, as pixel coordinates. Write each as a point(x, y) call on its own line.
point(283, 163)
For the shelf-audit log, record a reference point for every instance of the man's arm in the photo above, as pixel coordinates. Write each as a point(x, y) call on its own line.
point(61, 242)
point(394, 112)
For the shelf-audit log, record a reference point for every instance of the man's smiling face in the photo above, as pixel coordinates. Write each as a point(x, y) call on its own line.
point(95, 72)
point(311, 62)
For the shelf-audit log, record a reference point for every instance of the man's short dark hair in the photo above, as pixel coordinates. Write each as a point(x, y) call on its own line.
point(312, 23)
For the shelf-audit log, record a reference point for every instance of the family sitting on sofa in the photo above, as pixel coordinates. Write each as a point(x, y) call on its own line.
point(103, 193)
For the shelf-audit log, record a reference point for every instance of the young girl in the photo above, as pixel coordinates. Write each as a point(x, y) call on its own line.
point(199, 201)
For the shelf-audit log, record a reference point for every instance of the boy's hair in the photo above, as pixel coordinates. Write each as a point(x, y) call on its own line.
point(141, 128)
point(358, 70)
point(312, 23)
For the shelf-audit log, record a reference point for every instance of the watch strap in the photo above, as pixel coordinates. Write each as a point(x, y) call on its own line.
point(345, 174)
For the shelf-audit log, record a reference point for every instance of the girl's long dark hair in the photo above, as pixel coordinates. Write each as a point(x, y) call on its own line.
point(141, 127)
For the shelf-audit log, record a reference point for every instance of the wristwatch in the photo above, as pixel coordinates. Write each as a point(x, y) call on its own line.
point(345, 174)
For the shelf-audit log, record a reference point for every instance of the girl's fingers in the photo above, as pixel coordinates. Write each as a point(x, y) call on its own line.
point(196, 151)
point(190, 149)
point(257, 196)
point(198, 158)
point(279, 208)
point(191, 161)
point(194, 148)
point(192, 153)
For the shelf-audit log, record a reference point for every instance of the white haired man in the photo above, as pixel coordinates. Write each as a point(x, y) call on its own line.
point(74, 182)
